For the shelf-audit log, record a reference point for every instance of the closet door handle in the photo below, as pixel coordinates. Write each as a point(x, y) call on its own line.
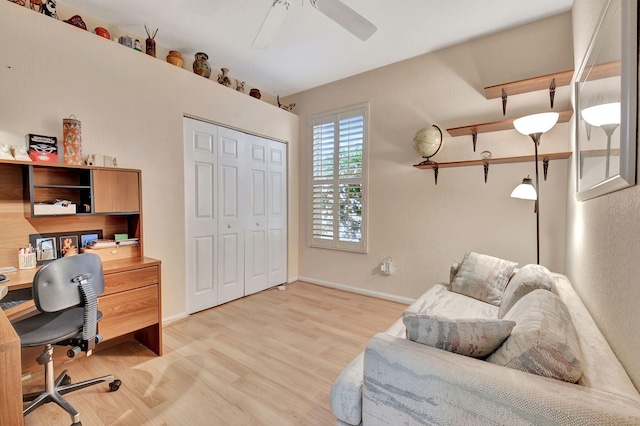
point(257, 223)
point(229, 226)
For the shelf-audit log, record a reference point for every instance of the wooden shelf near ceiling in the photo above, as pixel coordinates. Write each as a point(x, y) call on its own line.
point(503, 160)
point(496, 126)
point(542, 82)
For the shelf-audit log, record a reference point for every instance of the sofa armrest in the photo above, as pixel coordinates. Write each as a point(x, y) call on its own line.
point(346, 393)
point(409, 383)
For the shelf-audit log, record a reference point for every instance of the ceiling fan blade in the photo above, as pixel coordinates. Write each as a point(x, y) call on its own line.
point(271, 24)
point(346, 17)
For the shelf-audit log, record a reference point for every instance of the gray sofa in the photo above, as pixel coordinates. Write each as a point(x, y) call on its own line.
point(398, 381)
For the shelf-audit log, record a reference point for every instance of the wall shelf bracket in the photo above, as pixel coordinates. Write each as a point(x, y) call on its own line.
point(504, 102)
point(552, 91)
point(486, 171)
point(474, 138)
point(545, 166)
point(435, 173)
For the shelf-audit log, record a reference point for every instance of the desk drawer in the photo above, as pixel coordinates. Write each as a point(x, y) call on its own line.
point(127, 280)
point(128, 311)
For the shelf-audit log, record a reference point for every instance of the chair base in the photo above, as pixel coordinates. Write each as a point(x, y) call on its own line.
point(62, 385)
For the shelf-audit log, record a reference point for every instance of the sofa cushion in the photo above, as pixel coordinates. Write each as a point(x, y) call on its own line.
point(482, 277)
point(528, 278)
point(438, 300)
point(543, 341)
point(476, 337)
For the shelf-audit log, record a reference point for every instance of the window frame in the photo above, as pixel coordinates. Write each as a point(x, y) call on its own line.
point(335, 116)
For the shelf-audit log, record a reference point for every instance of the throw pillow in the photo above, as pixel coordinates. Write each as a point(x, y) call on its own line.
point(482, 277)
point(528, 278)
point(476, 338)
point(544, 340)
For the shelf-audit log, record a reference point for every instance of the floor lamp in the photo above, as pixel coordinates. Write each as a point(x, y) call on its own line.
point(607, 117)
point(534, 126)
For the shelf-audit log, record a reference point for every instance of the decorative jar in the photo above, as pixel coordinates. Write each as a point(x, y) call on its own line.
point(201, 66)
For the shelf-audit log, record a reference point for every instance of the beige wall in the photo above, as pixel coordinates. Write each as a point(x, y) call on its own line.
point(602, 240)
point(131, 106)
point(424, 227)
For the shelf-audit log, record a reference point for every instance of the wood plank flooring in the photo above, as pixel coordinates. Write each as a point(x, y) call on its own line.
point(266, 359)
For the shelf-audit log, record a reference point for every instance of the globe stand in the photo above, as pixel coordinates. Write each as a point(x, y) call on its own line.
point(427, 142)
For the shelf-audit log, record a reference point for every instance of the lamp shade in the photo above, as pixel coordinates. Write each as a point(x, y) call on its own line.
point(525, 190)
point(536, 123)
point(600, 115)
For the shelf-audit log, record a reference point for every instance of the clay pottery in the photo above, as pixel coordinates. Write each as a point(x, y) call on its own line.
point(175, 58)
point(102, 32)
point(255, 93)
point(201, 66)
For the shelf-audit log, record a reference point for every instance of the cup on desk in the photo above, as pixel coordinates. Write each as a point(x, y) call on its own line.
point(27, 260)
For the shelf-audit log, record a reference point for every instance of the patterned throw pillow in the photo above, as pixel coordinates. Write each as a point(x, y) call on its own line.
point(483, 277)
point(544, 340)
point(476, 338)
point(528, 278)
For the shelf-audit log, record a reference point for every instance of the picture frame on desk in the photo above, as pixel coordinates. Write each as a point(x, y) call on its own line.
point(54, 245)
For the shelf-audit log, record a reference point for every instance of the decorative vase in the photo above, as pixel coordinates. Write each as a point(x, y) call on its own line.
point(223, 78)
point(150, 46)
point(175, 58)
point(255, 93)
point(201, 66)
point(72, 141)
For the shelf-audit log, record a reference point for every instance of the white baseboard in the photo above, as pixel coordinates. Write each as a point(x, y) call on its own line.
point(377, 294)
point(292, 279)
point(174, 318)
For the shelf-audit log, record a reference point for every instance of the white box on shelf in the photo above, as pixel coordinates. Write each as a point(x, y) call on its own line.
point(51, 209)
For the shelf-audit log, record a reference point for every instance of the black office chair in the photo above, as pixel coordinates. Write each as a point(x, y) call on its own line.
point(65, 292)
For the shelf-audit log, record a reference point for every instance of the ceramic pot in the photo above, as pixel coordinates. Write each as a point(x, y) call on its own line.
point(201, 66)
point(175, 58)
point(255, 93)
point(150, 47)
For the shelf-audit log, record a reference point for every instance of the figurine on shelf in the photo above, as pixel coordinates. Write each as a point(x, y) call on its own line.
point(285, 107)
point(5, 152)
point(137, 45)
point(21, 154)
point(240, 86)
point(223, 78)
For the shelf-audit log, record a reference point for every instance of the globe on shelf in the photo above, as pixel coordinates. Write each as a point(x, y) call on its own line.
point(427, 142)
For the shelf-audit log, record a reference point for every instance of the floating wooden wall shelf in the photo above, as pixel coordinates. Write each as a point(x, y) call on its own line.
point(497, 126)
point(545, 158)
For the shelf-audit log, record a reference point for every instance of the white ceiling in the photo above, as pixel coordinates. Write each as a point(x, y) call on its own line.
point(310, 49)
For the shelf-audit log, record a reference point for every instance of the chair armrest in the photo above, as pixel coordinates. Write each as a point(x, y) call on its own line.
point(404, 380)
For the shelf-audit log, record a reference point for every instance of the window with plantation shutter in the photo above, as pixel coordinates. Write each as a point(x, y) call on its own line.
point(339, 179)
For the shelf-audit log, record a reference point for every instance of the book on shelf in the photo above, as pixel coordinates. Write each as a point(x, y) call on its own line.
point(42, 148)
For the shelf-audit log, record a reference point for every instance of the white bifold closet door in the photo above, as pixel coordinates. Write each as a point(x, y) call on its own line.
point(235, 214)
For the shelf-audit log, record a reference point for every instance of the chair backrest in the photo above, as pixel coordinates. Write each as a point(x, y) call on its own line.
point(56, 284)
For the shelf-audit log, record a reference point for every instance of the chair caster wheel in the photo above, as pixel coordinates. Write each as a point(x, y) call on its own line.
point(66, 381)
point(76, 424)
point(115, 385)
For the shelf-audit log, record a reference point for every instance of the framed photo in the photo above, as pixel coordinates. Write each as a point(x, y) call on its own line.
point(52, 246)
point(88, 238)
point(45, 249)
point(69, 245)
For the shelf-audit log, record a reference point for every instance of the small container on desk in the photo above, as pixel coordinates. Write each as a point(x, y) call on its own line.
point(27, 260)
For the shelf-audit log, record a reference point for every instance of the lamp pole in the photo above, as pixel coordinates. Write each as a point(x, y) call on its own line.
point(536, 142)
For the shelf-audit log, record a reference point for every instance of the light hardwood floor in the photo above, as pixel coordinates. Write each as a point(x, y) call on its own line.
point(266, 359)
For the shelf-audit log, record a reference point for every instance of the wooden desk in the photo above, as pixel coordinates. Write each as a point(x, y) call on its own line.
point(131, 307)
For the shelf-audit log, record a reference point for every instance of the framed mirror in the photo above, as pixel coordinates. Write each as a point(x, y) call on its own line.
point(606, 104)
